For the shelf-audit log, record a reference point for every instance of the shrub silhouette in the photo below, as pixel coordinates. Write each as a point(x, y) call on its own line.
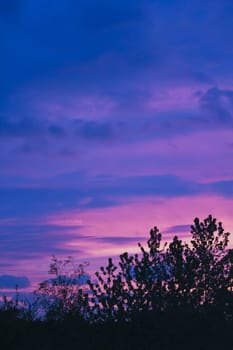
point(62, 295)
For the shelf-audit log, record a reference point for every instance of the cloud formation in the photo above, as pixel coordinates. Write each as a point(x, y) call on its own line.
point(218, 104)
point(116, 105)
point(10, 282)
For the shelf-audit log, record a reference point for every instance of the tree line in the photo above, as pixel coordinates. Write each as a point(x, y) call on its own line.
point(152, 295)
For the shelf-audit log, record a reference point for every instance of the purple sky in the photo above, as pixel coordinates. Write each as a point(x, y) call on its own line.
point(115, 116)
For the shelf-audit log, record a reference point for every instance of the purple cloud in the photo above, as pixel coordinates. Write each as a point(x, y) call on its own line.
point(218, 104)
point(120, 240)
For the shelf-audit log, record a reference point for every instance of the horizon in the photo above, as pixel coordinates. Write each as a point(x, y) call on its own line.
point(115, 117)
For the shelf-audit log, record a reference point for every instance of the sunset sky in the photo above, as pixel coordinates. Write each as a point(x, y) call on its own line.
point(115, 116)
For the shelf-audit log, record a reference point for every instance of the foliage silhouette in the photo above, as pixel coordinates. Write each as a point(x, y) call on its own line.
point(177, 295)
point(62, 295)
point(196, 276)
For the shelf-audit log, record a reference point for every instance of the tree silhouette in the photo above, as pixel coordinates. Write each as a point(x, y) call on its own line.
point(175, 295)
point(196, 276)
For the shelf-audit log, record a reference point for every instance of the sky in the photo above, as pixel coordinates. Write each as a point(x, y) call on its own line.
point(115, 116)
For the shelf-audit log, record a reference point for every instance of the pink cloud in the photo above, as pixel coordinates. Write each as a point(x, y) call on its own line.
point(133, 219)
point(138, 216)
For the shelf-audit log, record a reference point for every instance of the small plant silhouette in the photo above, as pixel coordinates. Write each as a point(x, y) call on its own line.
point(62, 295)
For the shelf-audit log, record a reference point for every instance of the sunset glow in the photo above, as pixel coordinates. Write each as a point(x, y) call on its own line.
point(110, 124)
